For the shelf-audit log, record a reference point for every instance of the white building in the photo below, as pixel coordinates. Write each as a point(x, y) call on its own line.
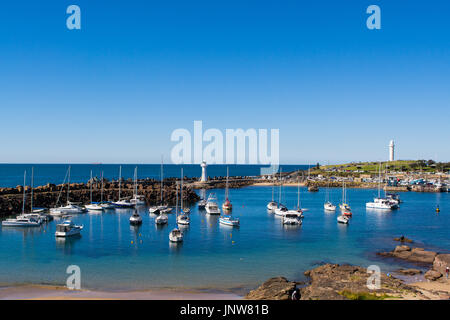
point(391, 150)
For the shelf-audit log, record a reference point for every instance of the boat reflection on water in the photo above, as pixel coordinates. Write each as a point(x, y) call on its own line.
point(67, 244)
point(175, 247)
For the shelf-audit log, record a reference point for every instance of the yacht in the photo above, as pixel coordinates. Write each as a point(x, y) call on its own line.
point(176, 235)
point(137, 200)
point(381, 203)
point(202, 204)
point(92, 206)
point(281, 210)
point(229, 221)
point(161, 219)
point(342, 219)
point(183, 219)
point(70, 207)
point(211, 205)
point(122, 203)
point(135, 218)
point(292, 219)
point(67, 229)
point(271, 206)
point(22, 221)
point(106, 205)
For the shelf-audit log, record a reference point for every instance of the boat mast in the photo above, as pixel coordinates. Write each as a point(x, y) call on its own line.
point(280, 189)
point(176, 203)
point(273, 183)
point(68, 186)
point(90, 187)
point(298, 193)
point(135, 182)
point(32, 184)
point(379, 181)
point(24, 182)
point(162, 179)
point(181, 207)
point(226, 187)
point(120, 179)
point(101, 194)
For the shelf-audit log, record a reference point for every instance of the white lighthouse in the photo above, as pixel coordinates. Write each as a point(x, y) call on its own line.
point(204, 176)
point(391, 150)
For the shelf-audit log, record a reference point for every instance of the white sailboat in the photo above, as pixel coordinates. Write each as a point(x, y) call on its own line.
point(137, 199)
point(328, 205)
point(292, 219)
point(93, 206)
point(176, 235)
point(135, 219)
point(106, 205)
point(183, 218)
point(343, 219)
point(162, 208)
point(69, 208)
point(23, 220)
point(122, 203)
point(345, 208)
point(379, 202)
point(272, 205)
point(184, 210)
point(227, 206)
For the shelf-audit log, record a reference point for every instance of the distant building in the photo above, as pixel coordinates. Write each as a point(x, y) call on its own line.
point(391, 150)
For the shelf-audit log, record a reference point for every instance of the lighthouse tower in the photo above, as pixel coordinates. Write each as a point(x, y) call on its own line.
point(204, 176)
point(391, 150)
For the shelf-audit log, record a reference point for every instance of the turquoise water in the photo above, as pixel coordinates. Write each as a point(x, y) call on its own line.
point(113, 255)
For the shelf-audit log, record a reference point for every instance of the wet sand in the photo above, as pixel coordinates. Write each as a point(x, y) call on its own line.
point(35, 292)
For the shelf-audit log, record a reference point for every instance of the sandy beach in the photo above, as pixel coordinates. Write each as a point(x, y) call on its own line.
point(37, 292)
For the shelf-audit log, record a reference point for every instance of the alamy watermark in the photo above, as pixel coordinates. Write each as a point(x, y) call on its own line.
point(374, 280)
point(73, 281)
point(235, 146)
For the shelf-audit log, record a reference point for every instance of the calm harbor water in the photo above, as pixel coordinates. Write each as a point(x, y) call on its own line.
point(11, 175)
point(113, 255)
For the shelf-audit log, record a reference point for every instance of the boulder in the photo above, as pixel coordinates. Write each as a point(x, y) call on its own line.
point(403, 239)
point(409, 272)
point(432, 275)
point(441, 262)
point(273, 289)
point(420, 255)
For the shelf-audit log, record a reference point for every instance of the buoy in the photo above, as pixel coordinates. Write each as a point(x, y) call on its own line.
point(131, 241)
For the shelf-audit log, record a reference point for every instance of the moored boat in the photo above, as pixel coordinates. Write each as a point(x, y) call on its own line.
point(67, 229)
point(229, 221)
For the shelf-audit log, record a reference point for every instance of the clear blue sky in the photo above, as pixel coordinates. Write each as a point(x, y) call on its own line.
point(115, 90)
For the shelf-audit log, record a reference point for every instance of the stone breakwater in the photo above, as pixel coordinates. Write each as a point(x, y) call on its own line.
point(46, 196)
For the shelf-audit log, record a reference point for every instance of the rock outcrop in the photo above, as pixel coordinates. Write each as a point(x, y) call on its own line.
point(414, 255)
point(409, 272)
point(432, 275)
point(441, 262)
point(273, 289)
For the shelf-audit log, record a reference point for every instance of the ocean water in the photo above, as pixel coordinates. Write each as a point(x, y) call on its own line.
point(113, 255)
point(11, 175)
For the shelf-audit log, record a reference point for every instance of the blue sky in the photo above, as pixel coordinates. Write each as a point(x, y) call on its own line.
point(116, 89)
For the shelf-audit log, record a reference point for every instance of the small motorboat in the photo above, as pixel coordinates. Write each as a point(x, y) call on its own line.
point(67, 229)
point(164, 209)
point(183, 219)
point(281, 210)
point(70, 208)
point(347, 213)
point(186, 210)
point(161, 219)
point(328, 206)
point(176, 235)
point(22, 221)
point(292, 219)
point(229, 221)
point(342, 219)
point(135, 219)
point(202, 204)
point(138, 201)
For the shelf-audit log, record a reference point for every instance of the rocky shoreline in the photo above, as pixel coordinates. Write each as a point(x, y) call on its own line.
point(347, 282)
point(46, 196)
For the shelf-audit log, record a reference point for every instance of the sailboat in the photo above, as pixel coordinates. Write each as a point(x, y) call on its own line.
point(176, 235)
point(272, 205)
point(162, 208)
point(122, 203)
point(137, 199)
point(105, 204)
point(299, 209)
point(381, 203)
point(202, 202)
point(69, 208)
point(22, 220)
point(227, 206)
point(93, 206)
point(135, 219)
point(328, 205)
point(185, 210)
point(280, 210)
point(183, 218)
point(345, 208)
